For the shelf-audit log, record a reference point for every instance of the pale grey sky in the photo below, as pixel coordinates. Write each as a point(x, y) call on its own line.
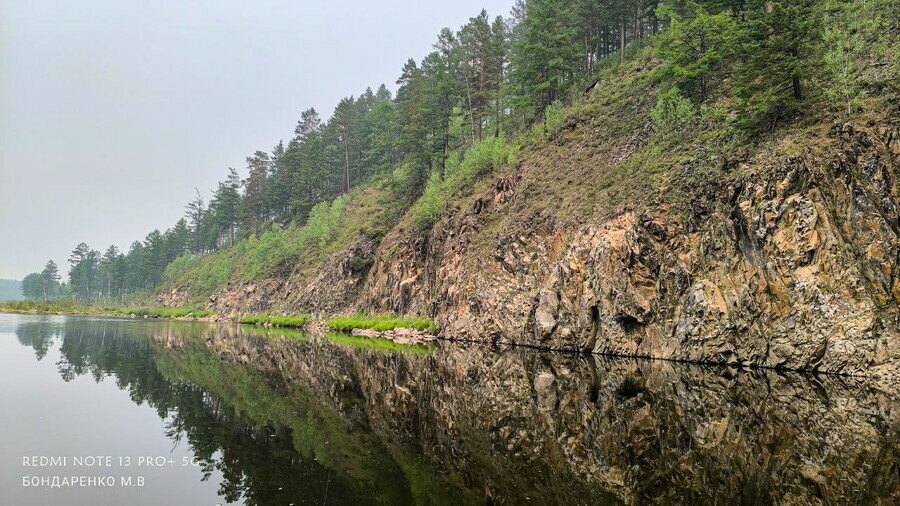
point(112, 112)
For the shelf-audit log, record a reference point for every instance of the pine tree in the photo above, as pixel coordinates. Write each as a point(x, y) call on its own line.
point(343, 125)
point(109, 270)
point(413, 128)
point(135, 267)
point(225, 207)
point(83, 272)
point(544, 55)
point(255, 209)
point(476, 67)
point(154, 258)
point(777, 41)
point(196, 214)
point(49, 280)
point(696, 46)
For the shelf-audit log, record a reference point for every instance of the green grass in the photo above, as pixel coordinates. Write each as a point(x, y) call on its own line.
point(49, 307)
point(289, 321)
point(380, 323)
point(63, 307)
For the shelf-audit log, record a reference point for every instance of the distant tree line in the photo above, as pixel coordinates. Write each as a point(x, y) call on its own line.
point(494, 77)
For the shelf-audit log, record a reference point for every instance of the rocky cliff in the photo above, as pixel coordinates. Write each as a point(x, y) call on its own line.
point(786, 257)
point(779, 250)
point(784, 261)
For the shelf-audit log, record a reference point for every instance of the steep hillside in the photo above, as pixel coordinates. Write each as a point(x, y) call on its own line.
point(614, 235)
point(782, 253)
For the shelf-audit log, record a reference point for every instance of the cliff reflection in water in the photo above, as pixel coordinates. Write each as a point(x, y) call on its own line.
point(288, 417)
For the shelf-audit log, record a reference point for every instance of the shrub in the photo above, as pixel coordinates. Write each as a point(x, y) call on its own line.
point(673, 113)
point(431, 204)
point(842, 68)
point(270, 250)
point(323, 221)
point(181, 266)
point(554, 119)
point(360, 265)
point(482, 158)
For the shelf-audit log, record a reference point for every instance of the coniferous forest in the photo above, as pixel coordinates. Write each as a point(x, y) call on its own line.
point(488, 89)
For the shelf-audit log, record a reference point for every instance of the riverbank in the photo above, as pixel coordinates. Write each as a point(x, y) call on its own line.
point(403, 331)
point(109, 312)
point(400, 330)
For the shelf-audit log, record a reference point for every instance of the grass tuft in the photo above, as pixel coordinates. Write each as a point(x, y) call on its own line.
point(289, 321)
point(380, 323)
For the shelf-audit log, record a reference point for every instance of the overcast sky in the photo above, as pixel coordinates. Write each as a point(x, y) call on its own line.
point(112, 112)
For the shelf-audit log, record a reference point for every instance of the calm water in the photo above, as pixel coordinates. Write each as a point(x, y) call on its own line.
point(207, 414)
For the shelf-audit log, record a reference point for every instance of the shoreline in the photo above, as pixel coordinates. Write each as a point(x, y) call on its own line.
point(400, 335)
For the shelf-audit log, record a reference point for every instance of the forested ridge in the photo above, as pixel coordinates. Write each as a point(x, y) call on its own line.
point(488, 93)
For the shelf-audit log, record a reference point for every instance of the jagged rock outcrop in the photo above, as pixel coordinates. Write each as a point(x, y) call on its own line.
point(791, 262)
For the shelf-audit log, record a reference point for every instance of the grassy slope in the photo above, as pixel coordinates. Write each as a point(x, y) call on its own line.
point(282, 252)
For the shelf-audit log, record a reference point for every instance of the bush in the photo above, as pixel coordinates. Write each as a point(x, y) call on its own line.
point(554, 119)
point(673, 113)
point(181, 266)
point(272, 249)
point(323, 221)
point(484, 157)
point(360, 265)
point(204, 274)
point(431, 204)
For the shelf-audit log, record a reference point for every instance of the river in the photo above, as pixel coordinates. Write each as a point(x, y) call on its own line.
point(116, 411)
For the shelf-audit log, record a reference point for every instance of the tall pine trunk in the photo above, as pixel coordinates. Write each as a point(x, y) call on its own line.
point(347, 167)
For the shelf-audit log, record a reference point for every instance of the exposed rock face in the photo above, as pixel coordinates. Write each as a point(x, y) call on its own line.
point(173, 298)
point(791, 265)
point(331, 289)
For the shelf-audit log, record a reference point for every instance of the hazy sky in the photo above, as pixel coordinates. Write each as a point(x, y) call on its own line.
point(112, 112)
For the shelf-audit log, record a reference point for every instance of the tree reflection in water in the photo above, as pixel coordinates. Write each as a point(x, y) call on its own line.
point(288, 417)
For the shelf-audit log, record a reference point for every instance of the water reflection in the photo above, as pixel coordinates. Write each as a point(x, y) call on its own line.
point(290, 418)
